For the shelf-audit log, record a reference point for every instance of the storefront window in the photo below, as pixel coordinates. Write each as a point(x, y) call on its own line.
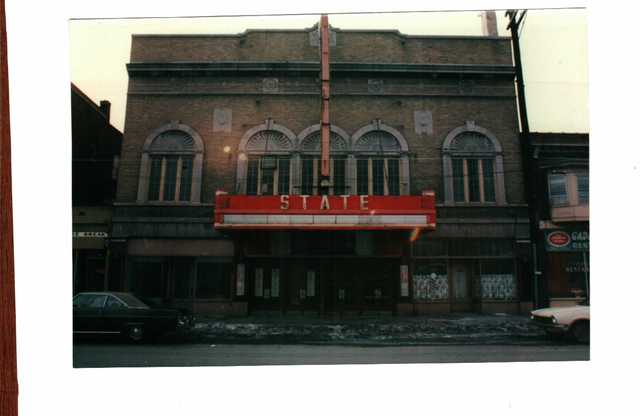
point(213, 280)
point(497, 280)
point(568, 274)
point(148, 280)
point(430, 282)
point(182, 280)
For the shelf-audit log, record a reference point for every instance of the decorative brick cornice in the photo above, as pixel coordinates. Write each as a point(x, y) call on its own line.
point(248, 67)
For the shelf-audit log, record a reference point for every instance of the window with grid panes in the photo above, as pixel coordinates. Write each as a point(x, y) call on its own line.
point(583, 188)
point(558, 189)
point(268, 175)
point(378, 176)
point(311, 170)
point(170, 178)
point(473, 180)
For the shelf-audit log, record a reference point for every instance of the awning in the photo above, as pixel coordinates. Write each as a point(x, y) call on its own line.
point(325, 212)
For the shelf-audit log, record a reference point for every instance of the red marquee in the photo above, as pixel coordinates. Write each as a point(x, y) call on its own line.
point(325, 212)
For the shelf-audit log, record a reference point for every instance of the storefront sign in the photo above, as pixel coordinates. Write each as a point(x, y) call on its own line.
point(404, 280)
point(370, 212)
point(560, 240)
point(90, 234)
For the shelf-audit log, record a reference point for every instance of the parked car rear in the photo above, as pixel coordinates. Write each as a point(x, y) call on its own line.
point(123, 313)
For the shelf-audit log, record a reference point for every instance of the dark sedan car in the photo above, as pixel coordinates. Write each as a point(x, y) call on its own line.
point(123, 313)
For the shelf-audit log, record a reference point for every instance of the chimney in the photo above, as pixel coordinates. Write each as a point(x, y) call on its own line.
point(489, 23)
point(105, 108)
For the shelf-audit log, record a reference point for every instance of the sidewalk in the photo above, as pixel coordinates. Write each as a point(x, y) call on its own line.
point(376, 330)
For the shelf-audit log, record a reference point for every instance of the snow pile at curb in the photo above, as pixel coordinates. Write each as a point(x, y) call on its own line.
point(383, 331)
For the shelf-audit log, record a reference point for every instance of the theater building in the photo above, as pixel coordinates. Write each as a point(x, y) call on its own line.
point(253, 181)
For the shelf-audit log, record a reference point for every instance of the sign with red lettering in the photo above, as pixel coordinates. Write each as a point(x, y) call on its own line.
point(558, 239)
point(366, 212)
point(570, 240)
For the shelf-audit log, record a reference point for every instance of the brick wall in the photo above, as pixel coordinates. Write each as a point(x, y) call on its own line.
point(156, 100)
point(295, 45)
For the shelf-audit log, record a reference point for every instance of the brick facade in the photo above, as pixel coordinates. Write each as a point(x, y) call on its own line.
point(376, 75)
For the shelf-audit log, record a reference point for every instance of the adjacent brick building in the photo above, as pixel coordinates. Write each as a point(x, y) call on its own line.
point(95, 151)
point(411, 117)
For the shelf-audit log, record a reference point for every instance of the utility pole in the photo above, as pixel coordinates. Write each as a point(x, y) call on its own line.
point(529, 166)
point(8, 358)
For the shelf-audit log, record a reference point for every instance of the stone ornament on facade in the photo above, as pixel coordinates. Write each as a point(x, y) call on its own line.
point(270, 85)
point(423, 122)
point(375, 86)
point(222, 118)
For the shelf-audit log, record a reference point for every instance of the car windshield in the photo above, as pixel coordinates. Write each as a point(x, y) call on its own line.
point(131, 301)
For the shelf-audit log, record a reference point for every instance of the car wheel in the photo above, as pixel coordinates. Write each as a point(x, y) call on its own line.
point(135, 333)
point(580, 331)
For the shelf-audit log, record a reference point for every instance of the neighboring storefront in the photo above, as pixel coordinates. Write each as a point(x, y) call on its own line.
point(568, 263)
point(562, 161)
point(95, 151)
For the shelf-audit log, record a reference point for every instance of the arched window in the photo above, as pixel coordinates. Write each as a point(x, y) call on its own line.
point(264, 160)
point(473, 168)
point(171, 165)
point(310, 166)
point(381, 161)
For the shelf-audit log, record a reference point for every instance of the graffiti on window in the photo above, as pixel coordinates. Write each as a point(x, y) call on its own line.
point(498, 286)
point(430, 286)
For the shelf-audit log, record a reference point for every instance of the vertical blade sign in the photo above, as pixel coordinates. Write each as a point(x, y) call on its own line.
point(324, 45)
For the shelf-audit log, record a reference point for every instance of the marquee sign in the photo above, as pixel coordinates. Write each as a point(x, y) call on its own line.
point(327, 212)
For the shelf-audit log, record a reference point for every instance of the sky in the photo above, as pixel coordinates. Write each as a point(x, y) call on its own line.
point(553, 44)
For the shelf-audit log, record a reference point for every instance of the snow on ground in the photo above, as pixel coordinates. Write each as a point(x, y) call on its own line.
point(376, 330)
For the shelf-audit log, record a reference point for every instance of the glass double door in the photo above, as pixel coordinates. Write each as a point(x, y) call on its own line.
point(324, 286)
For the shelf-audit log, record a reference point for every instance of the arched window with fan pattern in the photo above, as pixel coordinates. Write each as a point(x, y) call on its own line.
point(171, 165)
point(473, 167)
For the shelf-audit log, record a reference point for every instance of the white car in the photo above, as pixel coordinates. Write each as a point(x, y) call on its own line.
point(572, 320)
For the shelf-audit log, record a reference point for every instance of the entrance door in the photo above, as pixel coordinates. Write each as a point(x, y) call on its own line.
point(265, 286)
point(378, 280)
point(461, 301)
point(303, 288)
point(342, 288)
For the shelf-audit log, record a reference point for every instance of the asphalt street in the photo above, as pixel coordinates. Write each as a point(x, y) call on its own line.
point(92, 355)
